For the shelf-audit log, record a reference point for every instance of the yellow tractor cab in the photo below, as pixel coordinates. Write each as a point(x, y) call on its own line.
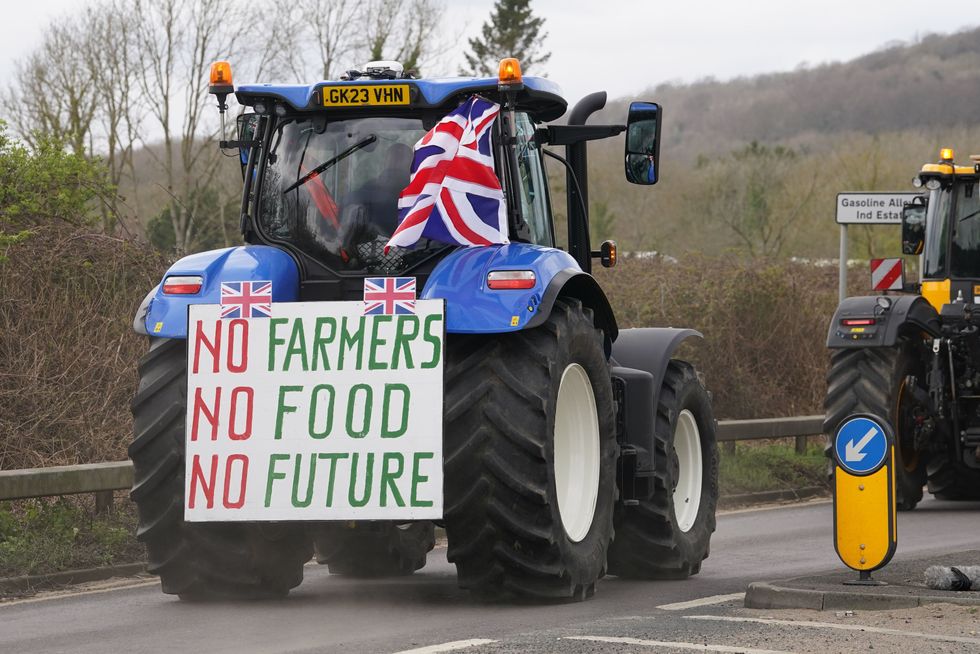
point(944, 227)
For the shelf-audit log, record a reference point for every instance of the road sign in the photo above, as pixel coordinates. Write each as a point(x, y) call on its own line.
point(872, 208)
point(861, 445)
point(865, 529)
point(886, 275)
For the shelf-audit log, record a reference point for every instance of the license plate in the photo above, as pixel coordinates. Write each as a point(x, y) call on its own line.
point(374, 95)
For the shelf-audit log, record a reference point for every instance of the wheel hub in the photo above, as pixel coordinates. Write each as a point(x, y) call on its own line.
point(576, 452)
point(689, 473)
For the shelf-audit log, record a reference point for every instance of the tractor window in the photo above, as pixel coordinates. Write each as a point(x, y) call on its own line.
point(965, 254)
point(534, 184)
point(937, 234)
point(330, 189)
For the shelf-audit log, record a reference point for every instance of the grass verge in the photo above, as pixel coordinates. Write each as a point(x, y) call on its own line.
point(46, 535)
point(756, 467)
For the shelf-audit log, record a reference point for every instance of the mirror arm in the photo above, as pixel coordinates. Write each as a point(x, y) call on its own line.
point(225, 145)
point(570, 134)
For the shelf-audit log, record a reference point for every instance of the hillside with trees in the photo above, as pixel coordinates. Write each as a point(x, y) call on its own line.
point(752, 165)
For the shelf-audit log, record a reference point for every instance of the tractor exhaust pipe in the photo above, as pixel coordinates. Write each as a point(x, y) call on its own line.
point(578, 206)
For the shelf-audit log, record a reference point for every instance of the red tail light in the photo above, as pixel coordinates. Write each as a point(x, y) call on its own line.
point(857, 322)
point(509, 280)
point(182, 285)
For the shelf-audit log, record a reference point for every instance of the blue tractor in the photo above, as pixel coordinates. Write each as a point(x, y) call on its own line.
point(572, 449)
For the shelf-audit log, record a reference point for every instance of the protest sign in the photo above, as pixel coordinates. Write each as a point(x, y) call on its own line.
point(315, 413)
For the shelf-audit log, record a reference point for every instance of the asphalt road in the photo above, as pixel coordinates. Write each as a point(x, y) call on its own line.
point(334, 614)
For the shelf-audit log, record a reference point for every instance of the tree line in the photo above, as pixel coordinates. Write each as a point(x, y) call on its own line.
point(125, 82)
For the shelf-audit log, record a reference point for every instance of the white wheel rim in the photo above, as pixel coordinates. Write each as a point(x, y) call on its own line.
point(687, 493)
point(576, 458)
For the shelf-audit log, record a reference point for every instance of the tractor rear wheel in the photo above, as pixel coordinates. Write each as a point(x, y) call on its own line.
point(530, 458)
point(874, 380)
point(374, 549)
point(952, 481)
point(668, 535)
point(197, 560)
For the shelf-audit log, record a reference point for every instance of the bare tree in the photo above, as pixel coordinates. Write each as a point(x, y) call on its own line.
point(109, 54)
point(52, 93)
point(419, 38)
point(346, 33)
point(178, 40)
point(331, 23)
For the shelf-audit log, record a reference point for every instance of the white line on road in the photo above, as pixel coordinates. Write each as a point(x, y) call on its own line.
point(843, 627)
point(697, 647)
point(703, 601)
point(447, 647)
point(47, 597)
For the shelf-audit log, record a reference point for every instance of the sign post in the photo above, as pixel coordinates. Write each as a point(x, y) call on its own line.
point(866, 209)
point(865, 521)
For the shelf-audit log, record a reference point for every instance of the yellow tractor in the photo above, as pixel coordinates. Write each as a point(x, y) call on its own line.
point(914, 358)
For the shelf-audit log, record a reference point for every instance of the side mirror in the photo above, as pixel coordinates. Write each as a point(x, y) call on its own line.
point(914, 225)
point(643, 143)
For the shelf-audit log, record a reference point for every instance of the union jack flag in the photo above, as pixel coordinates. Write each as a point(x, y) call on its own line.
point(389, 296)
point(246, 299)
point(454, 195)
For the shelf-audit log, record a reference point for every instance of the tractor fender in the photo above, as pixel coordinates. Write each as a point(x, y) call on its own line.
point(649, 349)
point(165, 316)
point(572, 282)
point(907, 315)
point(639, 362)
point(473, 308)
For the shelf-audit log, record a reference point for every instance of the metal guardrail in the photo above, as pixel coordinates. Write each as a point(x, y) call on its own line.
point(747, 430)
point(118, 475)
point(66, 480)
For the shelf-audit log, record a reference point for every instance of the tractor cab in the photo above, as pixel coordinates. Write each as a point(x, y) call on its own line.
point(944, 227)
point(324, 164)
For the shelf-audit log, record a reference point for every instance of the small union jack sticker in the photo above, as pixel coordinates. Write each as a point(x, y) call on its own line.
point(246, 299)
point(385, 296)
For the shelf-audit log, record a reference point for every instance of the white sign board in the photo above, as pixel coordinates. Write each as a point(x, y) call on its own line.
point(872, 208)
point(315, 413)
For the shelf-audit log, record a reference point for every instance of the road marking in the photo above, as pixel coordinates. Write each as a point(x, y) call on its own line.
point(842, 627)
point(447, 647)
point(47, 597)
point(703, 601)
point(697, 647)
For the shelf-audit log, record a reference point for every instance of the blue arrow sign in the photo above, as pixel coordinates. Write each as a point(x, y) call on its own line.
point(860, 445)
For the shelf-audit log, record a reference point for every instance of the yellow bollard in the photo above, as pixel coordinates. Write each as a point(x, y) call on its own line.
point(865, 519)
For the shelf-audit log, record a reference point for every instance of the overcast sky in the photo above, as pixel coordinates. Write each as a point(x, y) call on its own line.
point(626, 46)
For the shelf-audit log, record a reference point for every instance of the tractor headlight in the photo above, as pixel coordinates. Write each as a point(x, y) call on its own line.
point(932, 184)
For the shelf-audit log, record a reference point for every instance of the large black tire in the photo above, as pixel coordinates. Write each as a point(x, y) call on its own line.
point(650, 542)
point(872, 380)
point(506, 534)
point(951, 480)
point(197, 561)
point(374, 549)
